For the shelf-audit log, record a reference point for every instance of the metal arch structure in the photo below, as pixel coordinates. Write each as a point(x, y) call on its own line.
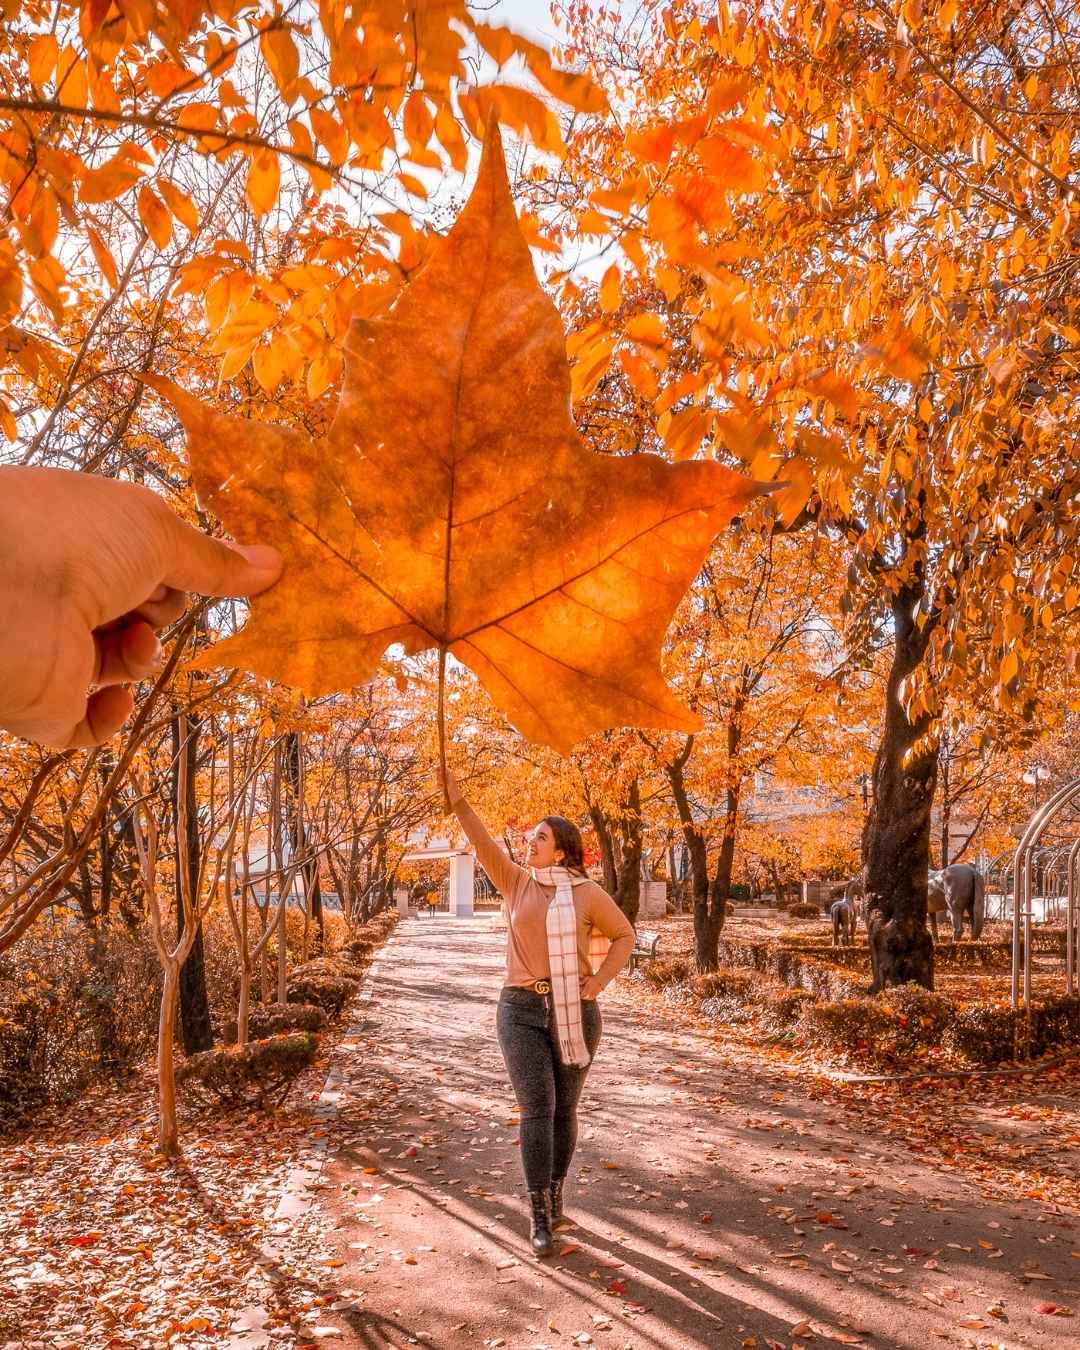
point(1049, 871)
point(1024, 865)
point(1071, 912)
point(997, 878)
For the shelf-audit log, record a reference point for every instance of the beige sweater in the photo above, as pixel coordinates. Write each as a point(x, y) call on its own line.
point(526, 909)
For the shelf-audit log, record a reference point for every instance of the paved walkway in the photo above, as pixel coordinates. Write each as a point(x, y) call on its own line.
point(714, 1207)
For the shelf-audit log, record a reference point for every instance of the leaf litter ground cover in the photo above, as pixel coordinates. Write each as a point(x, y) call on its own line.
point(722, 1194)
point(1008, 1140)
point(974, 988)
point(712, 1171)
point(105, 1244)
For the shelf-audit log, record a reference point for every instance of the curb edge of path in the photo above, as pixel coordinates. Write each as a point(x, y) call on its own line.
point(298, 1197)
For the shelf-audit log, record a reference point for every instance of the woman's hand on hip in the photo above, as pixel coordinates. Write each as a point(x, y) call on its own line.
point(590, 987)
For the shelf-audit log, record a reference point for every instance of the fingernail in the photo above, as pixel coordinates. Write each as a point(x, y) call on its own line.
point(263, 557)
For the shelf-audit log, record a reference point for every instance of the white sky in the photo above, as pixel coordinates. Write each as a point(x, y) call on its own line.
point(532, 18)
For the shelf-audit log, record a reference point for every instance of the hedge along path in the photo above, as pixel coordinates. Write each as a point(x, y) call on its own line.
point(722, 1198)
point(1032, 1070)
point(828, 1004)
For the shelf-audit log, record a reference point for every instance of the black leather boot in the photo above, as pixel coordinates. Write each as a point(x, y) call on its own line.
point(540, 1231)
point(558, 1218)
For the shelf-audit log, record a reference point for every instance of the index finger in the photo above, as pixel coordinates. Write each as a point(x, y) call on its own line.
point(197, 562)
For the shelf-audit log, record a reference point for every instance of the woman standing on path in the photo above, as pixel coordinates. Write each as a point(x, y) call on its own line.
point(548, 1021)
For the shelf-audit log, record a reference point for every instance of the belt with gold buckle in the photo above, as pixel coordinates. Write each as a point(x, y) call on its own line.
point(542, 987)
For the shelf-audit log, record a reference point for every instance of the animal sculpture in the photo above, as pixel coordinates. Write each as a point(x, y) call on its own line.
point(844, 918)
point(960, 891)
point(854, 894)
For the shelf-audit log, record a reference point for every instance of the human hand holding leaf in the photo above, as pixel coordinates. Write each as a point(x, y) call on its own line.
point(452, 504)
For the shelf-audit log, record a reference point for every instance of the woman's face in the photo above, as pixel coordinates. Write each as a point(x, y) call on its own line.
point(541, 850)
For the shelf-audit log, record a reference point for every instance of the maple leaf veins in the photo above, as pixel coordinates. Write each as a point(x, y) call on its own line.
point(453, 504)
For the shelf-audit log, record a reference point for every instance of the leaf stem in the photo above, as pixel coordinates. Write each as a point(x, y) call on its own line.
point(442, 727)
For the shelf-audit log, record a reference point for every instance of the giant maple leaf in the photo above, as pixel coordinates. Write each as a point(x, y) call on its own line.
point(453, 504)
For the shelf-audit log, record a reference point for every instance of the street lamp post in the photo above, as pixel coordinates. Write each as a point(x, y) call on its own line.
point(1033, 777)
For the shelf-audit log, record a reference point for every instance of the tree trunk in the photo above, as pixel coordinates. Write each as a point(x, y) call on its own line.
point(607, 848)
point(244, 1002)
point(674, 882)
point(300, 839)
point(196, 1025)
point(707, 923)
point(352, 878)
point(946, 811)
point(381, 893)
point(282, 960)
point(720, 888)
point(105, 1006)
point(264, 974)
point(896, 838)
point(105, 844)
point(168, 1138)
point(773, 868)
point(628, 892)
point(337, 880)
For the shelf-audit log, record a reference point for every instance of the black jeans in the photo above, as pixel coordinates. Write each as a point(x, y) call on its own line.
point(547, 1090)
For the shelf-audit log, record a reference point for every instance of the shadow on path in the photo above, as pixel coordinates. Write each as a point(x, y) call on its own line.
point(712, 1204)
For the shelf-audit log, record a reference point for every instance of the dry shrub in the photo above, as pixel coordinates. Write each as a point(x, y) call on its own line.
point(734, 995)
point(793, 968)
point(336, 931)
point(329, 992)
point(792, 992)
point(856, 1028)
point(783, 1008)
point(988, 1035)
point(911, 1023)
point(661, 971)
point(801, 940)
point(964, 955)
point(377, 929)
point(255, 1074)
point(723, 983)
point(221, 963)
point(907, 1021)
point(70, 1009)
point(333, 967)
point(803, 909)
point(272, 1019)
point(724, 994)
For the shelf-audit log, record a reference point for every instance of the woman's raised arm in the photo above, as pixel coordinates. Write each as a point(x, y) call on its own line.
point(506, 876)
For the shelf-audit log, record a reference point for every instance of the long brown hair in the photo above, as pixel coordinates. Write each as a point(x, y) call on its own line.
point(568, 839)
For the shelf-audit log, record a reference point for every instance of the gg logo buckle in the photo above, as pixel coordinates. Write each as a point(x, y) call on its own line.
point(542, 987)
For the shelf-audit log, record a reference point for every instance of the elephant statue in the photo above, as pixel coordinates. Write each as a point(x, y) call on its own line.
point(958, 889)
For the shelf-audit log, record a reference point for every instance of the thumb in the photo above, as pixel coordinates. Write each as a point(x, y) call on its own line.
point(196, 562)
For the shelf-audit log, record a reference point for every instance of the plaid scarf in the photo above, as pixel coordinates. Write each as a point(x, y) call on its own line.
point(563, 958)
